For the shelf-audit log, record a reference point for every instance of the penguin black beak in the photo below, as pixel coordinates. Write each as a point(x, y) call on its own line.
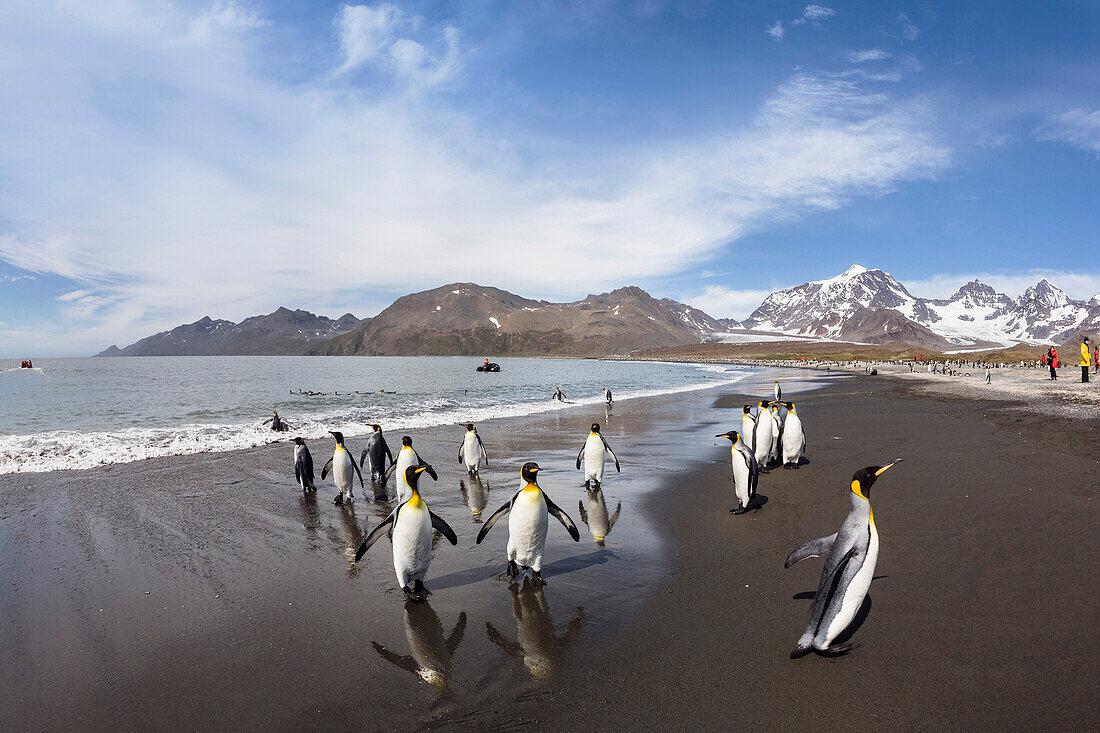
point(887, 467)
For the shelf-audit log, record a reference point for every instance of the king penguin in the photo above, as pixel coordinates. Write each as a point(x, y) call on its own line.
point(763, 439)
point(407, 457)
point(794, 438)
point(303, 466)
point(344, 470)
point(527, 525)
point(745, 473)
point(748, 427)
point(412, 523)
point(472, 450)
point(850, 559)
point(778, 391)
point(594, 451)
point(374, 456)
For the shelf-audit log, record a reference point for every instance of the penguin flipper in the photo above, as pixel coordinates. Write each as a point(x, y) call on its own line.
point(460, 447)
point(326, 469)
point(481, 447)
point(439, 525)
point(389, 472)
point(561, 516)
point(579, 456)
point(504, 643)
point(580, 508)
point(362, 458)
point(406, 663)
point(827, 587)
point(614, 517)
point(615, 457)
point(455, 638)
point(307, 464)
point(507, 507)
point(357, 471)
point(813, 548)
point(298, 471)
point(376, 533)
point(429, 470)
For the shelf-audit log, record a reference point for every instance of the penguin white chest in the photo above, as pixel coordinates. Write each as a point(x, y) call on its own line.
point(740, 476)
point(527, 525)
point(594, 454)
point(404, 459)
point(471, 455)
point(412, 542)
point(342, 470)
point(857, 589)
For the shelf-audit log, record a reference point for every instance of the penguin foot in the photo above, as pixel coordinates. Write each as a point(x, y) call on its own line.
point(512, 570)
point(411, 595)
point(738, 510)
point(595, 485)
point(421, 590)
point(587, 484)
point(536, 579)
point(338, 500)
point(837, 650)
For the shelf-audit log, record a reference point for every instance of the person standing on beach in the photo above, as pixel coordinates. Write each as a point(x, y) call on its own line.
point(1085, 360)
point(1052, 359)
point(1095, 360)
point(988, 376)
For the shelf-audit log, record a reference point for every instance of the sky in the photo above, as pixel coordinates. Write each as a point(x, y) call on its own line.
point(165, 160)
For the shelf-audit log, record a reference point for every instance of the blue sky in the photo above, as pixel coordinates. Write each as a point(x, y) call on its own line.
point(165, 160)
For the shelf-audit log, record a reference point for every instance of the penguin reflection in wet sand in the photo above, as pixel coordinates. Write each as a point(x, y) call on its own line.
point(746, 474)
point(850, 557)
point(594, 450)
point(406, 457)
point(599, 523)
point(412, 524)
point(344, 470)
point(374, 456)
point(472, 450)
point(527, 525)
point(303, 466)
point(430, 649)
point(537, 645)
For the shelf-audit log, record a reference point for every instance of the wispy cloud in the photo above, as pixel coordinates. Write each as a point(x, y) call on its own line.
point(813, 14)
point(722, 302)
point(775, 30)
point(867, 54)
point(227, 193)
point(17, 278)
point(1077, 127)
point(902, 28)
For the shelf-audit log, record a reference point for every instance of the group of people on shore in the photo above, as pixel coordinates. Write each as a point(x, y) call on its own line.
point(1088, 358)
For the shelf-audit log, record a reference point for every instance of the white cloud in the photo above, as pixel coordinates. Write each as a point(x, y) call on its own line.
point(1077, 127)
point(813, 14)
point(17, 278)
point(364, 32)
point(775, 30)
point(722, 302)
point(904, 28)
point(219, 191)
point(868, 54)
point(1079, 285)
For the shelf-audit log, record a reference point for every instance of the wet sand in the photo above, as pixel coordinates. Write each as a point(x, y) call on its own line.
point(204, 591)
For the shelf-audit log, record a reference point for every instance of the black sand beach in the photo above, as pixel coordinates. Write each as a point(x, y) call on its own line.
point(205, 592)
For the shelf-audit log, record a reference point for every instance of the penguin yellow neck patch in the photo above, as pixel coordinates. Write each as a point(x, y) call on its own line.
point(415, 501)
point(858, 491)
point(530, 487)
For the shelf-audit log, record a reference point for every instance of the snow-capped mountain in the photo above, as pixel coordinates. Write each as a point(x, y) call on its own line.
point(975, 315)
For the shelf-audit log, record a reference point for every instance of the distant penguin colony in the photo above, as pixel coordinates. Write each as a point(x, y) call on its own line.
point(771, 434)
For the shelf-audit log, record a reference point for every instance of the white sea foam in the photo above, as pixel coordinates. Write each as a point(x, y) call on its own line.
point(70, 449)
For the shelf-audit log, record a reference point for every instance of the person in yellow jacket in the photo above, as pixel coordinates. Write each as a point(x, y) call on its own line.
point(1085, 359)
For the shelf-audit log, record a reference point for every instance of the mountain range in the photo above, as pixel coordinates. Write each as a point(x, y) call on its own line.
point(860, 305)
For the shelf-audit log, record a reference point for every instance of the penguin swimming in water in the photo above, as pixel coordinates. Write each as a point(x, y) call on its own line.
point(794, 438)
point(373, 457)
point(407, 457)
point(746, 473)
point(303, 466)
point(599, 523)
point(594, 451)
point(850, 559)
point(472, 450)
point(344, 470)
point(763, 436)
point(527, 525)
point(412, 523)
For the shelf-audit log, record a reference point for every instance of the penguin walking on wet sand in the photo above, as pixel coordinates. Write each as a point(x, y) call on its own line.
point(344, 470)
point(406, 457)
point(778, 391)
point(594, 451)
point(527, 525)
point(850, 560)
point(793, 443)
point(472, 450)
point(746, 473)
point(374, 456)
point(412, 523)
point(303, 466)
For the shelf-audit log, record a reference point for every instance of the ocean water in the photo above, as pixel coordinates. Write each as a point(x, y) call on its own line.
point(82, 413)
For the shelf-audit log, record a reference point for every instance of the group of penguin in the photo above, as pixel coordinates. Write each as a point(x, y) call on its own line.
point(775, 436)
point(411, 523)
point(771, 433)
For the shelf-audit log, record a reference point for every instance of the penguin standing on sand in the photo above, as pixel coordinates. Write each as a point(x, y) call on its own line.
point(746, 473)
point(794, 438)
point(344, 470)
point(472, 450)
point(778, 391)
point(748, 428)
point(850, 559)
point(527, 525)
point(594, 450)
point(303, 466)
point(412, 523)
point(777, 432)
point(762, 438)
point(374, 456)
point(407, 457)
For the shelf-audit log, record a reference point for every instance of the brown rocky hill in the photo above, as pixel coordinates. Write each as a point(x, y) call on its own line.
point(471, 319)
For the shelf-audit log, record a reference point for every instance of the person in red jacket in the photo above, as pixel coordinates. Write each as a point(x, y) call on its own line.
point(1053, 363)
